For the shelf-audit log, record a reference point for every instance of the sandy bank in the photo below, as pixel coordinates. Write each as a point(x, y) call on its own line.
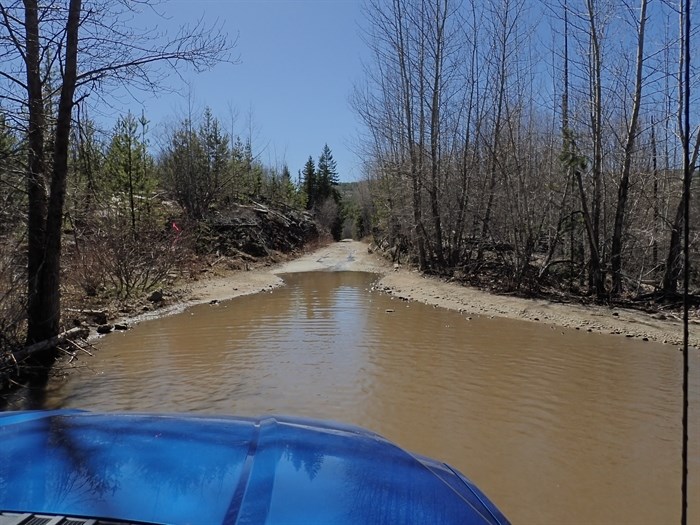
point(408, 284)
point(341, 256)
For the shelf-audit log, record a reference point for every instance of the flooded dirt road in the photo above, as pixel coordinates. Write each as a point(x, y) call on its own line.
point(555, 425)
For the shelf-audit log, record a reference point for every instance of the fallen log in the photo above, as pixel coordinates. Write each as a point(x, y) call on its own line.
point(86, 311)
point(97, 316)
point(74, 333)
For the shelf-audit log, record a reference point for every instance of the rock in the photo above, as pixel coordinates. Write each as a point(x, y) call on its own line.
point(389, 310)
point(104, 328)
point(99, 318)
point(156, 296)
point(256, 230)
point(214, 301)
point(121, 326)
point(616, 314)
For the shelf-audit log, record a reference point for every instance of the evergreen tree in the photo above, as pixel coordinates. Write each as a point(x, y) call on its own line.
point(181, 164)
point(290, 194)
point(239, 167)
point(256, 173)
point(212, 173)
point(248, 175)
point(129, 167)
point(310, 183)
point(327, 177)
point(327, 194)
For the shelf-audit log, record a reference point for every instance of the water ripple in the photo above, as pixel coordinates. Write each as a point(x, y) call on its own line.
point(545, 422)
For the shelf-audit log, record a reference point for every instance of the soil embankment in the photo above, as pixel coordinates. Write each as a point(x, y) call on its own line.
point(411, 285)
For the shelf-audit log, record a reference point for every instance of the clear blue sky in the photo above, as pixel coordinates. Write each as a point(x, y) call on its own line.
point(298, 61)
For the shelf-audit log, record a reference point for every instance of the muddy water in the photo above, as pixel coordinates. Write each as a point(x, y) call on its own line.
point(556, 426)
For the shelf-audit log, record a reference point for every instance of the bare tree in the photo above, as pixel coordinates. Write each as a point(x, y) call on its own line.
point(592, 212)
point(395, 98)
point(628, 151)
point(674, 263)
point(490, 171)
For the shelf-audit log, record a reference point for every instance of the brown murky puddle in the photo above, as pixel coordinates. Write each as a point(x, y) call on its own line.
point(556, 426)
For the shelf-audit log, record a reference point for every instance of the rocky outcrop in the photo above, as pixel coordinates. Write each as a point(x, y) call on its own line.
point(256, 230)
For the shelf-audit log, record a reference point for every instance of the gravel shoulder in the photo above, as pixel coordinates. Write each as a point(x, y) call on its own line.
point(411, 285)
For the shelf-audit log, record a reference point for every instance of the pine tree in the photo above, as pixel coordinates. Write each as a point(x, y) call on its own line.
point(326, 201)
point(327, 176)
point(238, 168)
point(212, 174)
point(289, 192)
point(182, 163)
point(310, 183)
point(128, 165)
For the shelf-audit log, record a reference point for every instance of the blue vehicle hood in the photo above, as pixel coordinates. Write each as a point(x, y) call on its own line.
point(176, 469)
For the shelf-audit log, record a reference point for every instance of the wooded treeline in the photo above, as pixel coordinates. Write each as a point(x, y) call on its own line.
point(116, 212)
point(55, 55)
point(136, 213)
point(532, 144)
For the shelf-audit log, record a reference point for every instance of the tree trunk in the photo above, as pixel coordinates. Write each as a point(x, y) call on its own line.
point(36, 179)
point(435, 133)
point(596, 278)
point(673, 259)
point(45, 239)
point(495, 145)
point(48, 344)
point(616, 258)
point(672, 272)
point(655, 196)
point(408, 114)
